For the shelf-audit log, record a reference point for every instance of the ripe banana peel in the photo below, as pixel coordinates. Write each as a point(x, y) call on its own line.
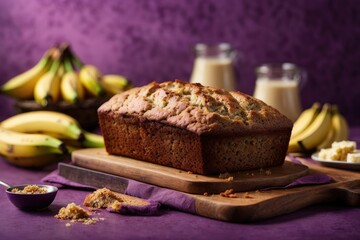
point(38, 138)
point(47, 88)
point(340, 126)
point(90, 76)
point(44, 122)
point(324, 128)
point(61, 76)
point(71, 88)
point(14, 144)
point(22, 86)
point(305, 119)
point(114, 84)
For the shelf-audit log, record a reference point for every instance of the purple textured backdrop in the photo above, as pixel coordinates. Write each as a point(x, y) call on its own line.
point(152, 40)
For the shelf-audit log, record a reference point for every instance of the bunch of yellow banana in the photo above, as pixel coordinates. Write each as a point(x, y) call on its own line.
point(61, 76)
point(318, 127)
point(35, 139)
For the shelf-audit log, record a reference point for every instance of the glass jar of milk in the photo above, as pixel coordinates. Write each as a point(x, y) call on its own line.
point(213, 66)
point(278, 86)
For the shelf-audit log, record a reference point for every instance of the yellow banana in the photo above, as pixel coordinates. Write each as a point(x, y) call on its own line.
point(314, 134)
point(93, 140)
point(114, 84)
point(22, 86)
point(305, 119)
point(15, 144)
point(340, 125)
point(44, 122)
point(89, 76)
point(47, 88)
point(71, 89)
point(89, 140)
point(329, 139)
point(339, 129)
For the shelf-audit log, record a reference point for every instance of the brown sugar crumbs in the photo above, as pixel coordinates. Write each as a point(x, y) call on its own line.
point(229, 193)
point(30, 189)
point(75, 213)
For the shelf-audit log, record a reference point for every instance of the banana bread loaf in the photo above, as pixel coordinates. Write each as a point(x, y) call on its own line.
point(194, 128)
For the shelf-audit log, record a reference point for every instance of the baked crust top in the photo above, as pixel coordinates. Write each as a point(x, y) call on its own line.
point(197, 108)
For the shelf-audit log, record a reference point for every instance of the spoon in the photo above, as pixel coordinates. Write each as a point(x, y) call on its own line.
point(30, 201)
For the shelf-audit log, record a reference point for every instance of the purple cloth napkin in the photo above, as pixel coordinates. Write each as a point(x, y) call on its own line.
point(149, 210)
point(166, 197)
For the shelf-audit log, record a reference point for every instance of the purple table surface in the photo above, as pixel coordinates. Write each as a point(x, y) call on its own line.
point(330, 221)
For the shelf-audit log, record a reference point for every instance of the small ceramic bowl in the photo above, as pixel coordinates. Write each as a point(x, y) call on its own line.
point(32, 201)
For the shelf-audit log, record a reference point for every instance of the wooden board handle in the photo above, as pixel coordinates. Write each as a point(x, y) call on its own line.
point(348, 195)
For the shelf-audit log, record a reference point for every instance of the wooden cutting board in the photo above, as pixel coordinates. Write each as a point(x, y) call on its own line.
point(98, 159)
point(248, 206)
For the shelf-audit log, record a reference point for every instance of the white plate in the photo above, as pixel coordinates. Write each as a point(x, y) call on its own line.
point(336, 164)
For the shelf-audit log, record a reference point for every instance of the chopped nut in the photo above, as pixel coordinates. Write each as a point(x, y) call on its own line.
point(247, 195)
point(206, 194)
point(229, 193)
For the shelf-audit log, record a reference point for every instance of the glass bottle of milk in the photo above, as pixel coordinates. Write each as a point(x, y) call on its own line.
point(213, 66)
point(278, 86)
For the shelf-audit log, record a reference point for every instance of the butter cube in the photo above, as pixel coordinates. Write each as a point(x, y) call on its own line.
point(343, 148)
point(353, 157)
point(348, 146)
point(330, 154)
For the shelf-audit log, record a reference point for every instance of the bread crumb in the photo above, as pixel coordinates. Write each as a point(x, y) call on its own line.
point(268, 172)
point(72, 212)
point(230, 179)
point(102, 198)
point(30, 189)
point(206, 194)
point(229, 193)
point(75, 213)
point(247, 195)
point(189, 172)
point(226, 176)
point(105, 198)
